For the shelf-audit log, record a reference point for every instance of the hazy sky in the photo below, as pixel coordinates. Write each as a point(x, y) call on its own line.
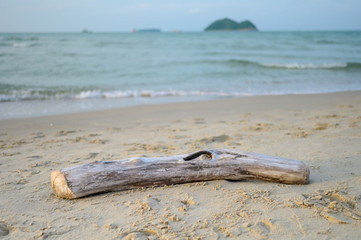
point(186, 15)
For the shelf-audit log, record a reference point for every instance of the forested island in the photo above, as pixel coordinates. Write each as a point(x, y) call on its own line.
point(227, 24)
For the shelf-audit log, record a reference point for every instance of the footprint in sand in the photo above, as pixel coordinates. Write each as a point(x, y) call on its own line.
point(98, 141)
point(299, 134)
point(199, 121)
point(34, 157)
point(221, 138)
point(333, 206)
point(321, 126)
point(64, 133)
point(355, 123)
point(38, 135)
point(114, 129)
point(262, 229)
point(4, 230)
point(90, 155)
point(6, 154)
point(139, 235)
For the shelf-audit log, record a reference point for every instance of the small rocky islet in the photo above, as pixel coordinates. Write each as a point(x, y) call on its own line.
point(227, 24)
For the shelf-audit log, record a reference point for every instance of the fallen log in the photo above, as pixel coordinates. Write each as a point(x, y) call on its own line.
point(106, 176)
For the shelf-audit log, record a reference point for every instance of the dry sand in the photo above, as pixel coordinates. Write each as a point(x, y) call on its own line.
point(323, 130)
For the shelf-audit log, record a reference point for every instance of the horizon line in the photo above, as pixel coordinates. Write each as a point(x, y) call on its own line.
point(175, 31)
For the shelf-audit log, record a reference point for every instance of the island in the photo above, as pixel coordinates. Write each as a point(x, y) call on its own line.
point(227, 24)
point(86, 31)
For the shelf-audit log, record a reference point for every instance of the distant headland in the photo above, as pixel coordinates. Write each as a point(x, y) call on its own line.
point(227, 24)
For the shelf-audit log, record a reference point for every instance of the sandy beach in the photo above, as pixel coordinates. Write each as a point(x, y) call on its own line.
point(323, 130)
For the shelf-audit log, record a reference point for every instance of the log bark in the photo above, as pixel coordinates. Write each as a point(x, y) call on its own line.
point(105, 176)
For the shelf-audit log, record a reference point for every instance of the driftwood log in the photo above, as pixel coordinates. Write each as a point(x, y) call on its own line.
point(105, 176)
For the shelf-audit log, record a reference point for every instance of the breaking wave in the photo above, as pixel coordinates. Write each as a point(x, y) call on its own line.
point(349, 65)
point(42, 94)
point(297, 66)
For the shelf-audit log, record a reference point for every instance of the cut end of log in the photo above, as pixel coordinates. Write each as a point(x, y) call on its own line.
point(60, 186)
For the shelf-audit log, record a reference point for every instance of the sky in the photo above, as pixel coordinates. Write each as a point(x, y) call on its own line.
point(169, 15)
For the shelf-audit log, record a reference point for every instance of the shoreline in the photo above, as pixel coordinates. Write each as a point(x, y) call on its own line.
point(184, 102)
point(323, 130)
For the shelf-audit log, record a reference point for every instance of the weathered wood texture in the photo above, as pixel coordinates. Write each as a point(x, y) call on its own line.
point(105, 176)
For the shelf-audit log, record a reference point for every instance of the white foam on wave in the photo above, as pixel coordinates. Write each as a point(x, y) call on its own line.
point(154, 94)
point(23, 95)
point(19, 45)
point(88, 95)
point(304, 66)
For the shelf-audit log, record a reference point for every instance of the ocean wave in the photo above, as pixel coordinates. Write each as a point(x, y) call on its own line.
point(304, 66)
point(19, 38)
point(285, 66)
point(153, 94)
point(18, 41)
point(324, 41)
point(332, 66)
point(5, 44)
point(26, 95)
point(242, 62)
point(297, 66)
point(111, 43)
point(19, 45)
point(13, 92)
point(31, 94)
point(354, 65)
point(6, 54)
point(236, 62)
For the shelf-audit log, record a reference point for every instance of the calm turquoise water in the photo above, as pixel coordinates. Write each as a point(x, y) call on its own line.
point(57, 73)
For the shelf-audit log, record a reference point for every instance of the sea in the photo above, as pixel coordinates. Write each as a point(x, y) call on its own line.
point(58, 73)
